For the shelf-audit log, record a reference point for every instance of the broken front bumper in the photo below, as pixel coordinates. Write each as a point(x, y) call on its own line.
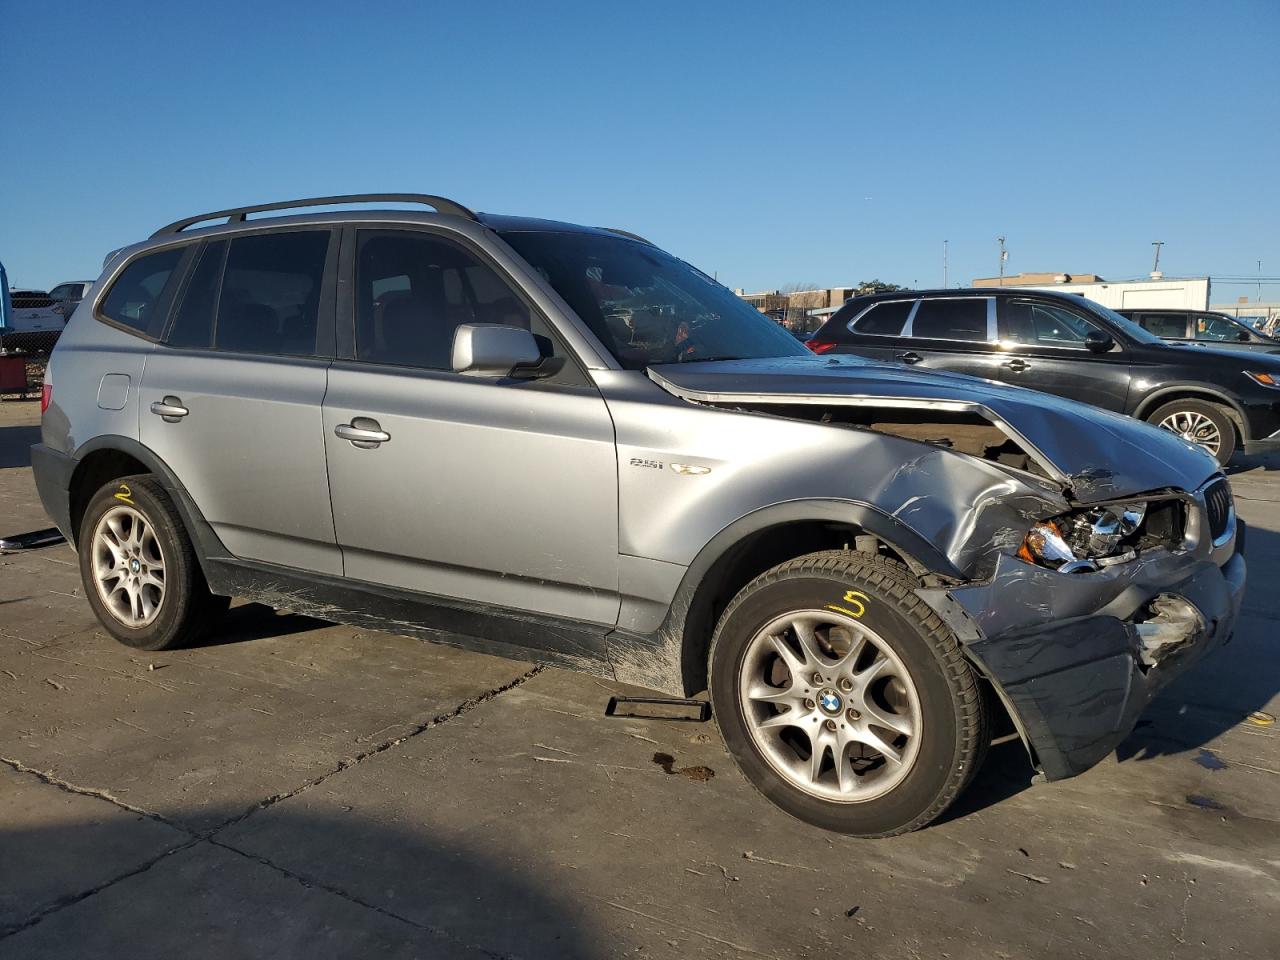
point(1077, 657)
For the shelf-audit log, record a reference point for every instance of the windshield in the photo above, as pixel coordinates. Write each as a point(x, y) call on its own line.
point(646, 306)
point(1127, 326)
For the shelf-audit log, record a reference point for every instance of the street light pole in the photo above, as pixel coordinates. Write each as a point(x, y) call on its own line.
point(944, 264)
point(1155, 267)
point(1004, 255)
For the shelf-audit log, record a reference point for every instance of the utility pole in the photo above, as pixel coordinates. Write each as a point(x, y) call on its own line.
point(944, 264)
point(1004, 255)
point(1259, 281)
point(1155, 267)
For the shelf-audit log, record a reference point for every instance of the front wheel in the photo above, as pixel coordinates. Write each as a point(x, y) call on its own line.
point(1197, 421)
point(844, 699)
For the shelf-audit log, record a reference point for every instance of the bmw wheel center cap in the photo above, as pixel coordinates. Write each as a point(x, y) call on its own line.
point(830, 702)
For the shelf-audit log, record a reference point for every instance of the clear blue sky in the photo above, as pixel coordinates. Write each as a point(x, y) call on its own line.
point(771, 143)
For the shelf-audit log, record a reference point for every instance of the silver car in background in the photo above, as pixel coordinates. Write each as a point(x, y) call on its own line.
point(560, 443)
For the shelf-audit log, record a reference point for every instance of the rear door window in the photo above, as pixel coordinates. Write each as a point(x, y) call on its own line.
point(1170, 326)
point(269, 299)
point(193, 321)
point(139, 297)
point(885, 319)
point(951, 319)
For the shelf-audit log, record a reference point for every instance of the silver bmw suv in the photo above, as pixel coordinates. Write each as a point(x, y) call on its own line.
point(560, 443)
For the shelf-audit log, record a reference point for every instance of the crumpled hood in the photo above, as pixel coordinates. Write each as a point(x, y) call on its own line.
point(1094, 453)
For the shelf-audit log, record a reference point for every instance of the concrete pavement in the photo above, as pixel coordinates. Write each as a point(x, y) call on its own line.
point(310, 790)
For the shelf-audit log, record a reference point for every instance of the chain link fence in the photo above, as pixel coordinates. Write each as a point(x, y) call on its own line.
point(33, 349)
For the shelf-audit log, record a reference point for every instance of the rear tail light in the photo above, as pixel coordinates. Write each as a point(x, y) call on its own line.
point(46, 396)
point(821, 346)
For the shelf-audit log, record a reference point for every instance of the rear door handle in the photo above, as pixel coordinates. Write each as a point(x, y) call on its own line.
point(910, 357)
point(1017, 366)
point(170, 409)
point(363, 432)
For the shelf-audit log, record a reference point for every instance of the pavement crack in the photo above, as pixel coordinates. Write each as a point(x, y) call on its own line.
point(94, 792)
point(347, 763)
point(71, 899)
point(312, 882)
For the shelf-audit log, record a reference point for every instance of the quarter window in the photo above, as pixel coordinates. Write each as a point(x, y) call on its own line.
point(269, 300)
point(134, 298)
point(413, 290)
point(955, 319)
point(884, 319)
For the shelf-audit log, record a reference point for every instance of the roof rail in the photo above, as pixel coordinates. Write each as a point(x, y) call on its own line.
point(237, 214)
point(629, 235)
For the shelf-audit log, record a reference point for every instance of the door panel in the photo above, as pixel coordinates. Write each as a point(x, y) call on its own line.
point(1042, 347)
point(231, 400)
point(956, 334)
point(492, 490)
point(250, 450)
point(499, 492)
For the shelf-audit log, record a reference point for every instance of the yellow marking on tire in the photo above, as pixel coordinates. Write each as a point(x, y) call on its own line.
point(125, 495)
point(854, 598)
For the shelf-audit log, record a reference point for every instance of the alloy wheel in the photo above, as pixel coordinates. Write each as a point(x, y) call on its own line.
point(1194, 427)
point(128, 566)
point(830, 705)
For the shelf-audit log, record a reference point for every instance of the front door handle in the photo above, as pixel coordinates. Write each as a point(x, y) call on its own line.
point(1017, 366)
point(910, 357)
point(170, 409)
point(363, 432)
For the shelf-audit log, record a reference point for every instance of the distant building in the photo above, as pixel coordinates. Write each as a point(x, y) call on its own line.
point(796, 309)
point(1156, 292)
point(1244, 307)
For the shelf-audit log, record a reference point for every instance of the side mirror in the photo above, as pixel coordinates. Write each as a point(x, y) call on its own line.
point(1098, 342)
point(494, 350)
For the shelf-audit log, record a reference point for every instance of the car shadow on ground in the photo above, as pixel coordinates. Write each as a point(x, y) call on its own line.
point(15, 445)
point(256, 621)
point(298, 884)
point(1267, 462)
point(1005, 773)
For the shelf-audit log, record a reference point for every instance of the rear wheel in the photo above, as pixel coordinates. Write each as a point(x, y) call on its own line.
point(844, 698)
point(139, 570)
point(1200, 422)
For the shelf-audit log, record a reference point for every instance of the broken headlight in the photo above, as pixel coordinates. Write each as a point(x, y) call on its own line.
point(1085, 539)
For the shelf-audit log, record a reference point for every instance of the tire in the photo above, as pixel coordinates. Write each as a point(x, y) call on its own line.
point(139, 570)
point(1192, 418)
point(926, 687)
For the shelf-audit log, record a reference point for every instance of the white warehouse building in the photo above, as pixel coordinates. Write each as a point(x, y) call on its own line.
point(1156, 292)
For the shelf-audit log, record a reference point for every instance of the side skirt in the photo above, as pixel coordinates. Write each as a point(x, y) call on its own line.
point(502, 632)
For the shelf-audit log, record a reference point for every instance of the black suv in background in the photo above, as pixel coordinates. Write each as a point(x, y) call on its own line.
point(1064, 344)
point(1203, 328)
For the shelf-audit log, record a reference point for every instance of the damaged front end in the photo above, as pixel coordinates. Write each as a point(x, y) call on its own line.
point(1076, 647)
point(1109, 561)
